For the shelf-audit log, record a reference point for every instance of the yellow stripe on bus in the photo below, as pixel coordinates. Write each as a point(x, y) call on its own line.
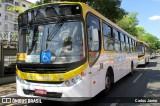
point(140, 58)
point(21, 56)
point(52, 77)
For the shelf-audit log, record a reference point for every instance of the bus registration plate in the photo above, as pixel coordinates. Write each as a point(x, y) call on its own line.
point(40, 91)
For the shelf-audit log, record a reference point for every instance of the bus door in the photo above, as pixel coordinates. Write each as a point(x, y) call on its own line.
point(93, 31)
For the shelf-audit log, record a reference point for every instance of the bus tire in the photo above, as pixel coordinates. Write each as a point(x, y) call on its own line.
point(108, 82)
point(148, 60)
point(132, 68)
point(145, 61)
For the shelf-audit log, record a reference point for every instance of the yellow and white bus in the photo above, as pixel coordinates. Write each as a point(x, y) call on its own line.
point(143, 53)
point(152, 53)
point(67, 49)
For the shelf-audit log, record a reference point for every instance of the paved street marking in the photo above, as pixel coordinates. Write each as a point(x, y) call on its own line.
point(115, 104)
point(10, 95)
point(138, 77)
point(146, 68)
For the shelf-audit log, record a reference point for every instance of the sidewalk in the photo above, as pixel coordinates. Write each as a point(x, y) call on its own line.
point(7, 85)
point(7, 89)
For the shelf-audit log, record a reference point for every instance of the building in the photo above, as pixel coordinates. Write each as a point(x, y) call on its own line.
point(9, 10)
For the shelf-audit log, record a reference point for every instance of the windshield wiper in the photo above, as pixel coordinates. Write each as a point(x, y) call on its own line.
point(34, 39)
point(54, 31)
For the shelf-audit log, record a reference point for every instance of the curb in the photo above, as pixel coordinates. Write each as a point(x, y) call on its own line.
point(7, 80)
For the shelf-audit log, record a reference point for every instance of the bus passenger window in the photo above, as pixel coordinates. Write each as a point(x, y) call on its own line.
point(131, 44)
point(116, 40)
point(93, 31)
point(107, 39)
point(127, 43)
point(122, 42)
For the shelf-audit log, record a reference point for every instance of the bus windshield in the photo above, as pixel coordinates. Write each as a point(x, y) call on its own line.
point(64, 40)
point(140, 50)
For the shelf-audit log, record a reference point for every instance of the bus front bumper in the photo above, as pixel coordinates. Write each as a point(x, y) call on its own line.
point(141, 62)
point(78, 92)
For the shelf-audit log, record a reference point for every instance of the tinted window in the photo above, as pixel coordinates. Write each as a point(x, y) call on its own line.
point(107, 39)
point(93, 31)
point(122, 37)
point(126, 37)
point(122, 42)
point(115, 34)
point(93, 25)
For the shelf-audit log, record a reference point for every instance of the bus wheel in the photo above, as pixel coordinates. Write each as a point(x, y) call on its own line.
point(145, 61)
point(131, 73)
point(108, 83)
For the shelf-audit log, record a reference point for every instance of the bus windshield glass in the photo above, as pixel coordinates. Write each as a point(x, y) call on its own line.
point(140, 50)
point(63, 40)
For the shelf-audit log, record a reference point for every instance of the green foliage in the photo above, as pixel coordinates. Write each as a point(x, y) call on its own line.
point(151, 40)
point(109, 8)
point(129, 23)
point(140, 32)
point(158, 51)
point(2, 1)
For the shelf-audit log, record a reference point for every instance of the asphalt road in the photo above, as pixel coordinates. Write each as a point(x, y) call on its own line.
point(145, 82)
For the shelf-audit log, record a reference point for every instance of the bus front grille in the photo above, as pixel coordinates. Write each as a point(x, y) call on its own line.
point(46, 82)
point(44, 70)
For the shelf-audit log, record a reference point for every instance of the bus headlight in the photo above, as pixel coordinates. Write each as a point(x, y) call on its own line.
point(73, 80)
point(21, 80)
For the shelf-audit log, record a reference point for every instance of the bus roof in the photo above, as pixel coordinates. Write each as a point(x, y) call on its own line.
point(143, 42)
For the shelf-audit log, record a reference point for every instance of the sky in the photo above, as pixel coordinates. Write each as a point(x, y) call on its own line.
point(148, 13)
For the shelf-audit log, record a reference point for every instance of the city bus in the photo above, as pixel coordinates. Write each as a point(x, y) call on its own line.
point(143, 53)
point(67, 50)
point(152, 53)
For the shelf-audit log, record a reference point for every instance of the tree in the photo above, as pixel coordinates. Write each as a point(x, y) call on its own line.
point(151, 40)
point(109, 8)
point(129, 23)
point(140, 32)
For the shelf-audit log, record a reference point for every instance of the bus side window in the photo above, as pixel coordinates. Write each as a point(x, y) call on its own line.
point(107, 37)
point(131, 46)
point(127, 43)
point(93, 30)
point(116, 40)
point(122, 42)
point(135, 46)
